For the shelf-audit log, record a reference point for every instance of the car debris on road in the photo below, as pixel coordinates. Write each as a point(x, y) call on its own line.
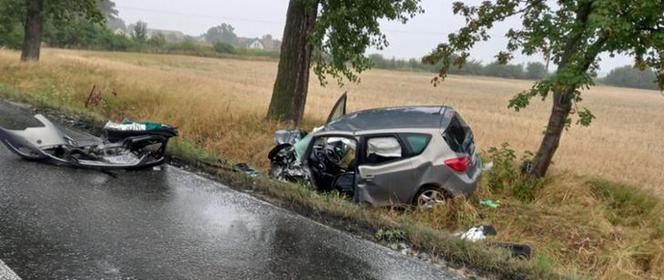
point(126, 145)
point(418, 155)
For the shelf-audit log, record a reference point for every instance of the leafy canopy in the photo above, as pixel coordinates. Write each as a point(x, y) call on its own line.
point(573, 33)
point(345, 28)
point(62, 18)
point(221, 33)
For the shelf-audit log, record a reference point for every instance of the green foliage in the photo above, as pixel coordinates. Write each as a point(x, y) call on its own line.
point(535, 71)
point(139, 31)
point(69, 24)
point(585, 117)
point(503, 174)
point(11, 24)
point(222, 47)
point(508, 173)
point(390, 235)
point(345, 29)
point(504, 71)
point(471, 67)
point(526, 188)
point(571, 33)
point(157, 40)
point(222, 33)
point(628, 76)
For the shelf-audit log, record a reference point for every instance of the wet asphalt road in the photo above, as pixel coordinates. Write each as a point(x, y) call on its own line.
point(64, 223)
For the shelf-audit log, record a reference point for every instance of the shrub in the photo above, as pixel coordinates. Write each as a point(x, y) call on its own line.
point(503, 173)
point(222, 47)
point(508, 173)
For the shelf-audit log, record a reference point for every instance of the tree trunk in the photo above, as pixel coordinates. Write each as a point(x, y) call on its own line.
point(562, 105)
point(33, 30)
point(289, 95)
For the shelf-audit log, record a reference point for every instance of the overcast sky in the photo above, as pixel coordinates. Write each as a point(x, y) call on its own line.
point(254, 18)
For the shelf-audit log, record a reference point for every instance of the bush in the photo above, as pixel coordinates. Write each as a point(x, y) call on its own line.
point(222, 47)
point(508, 173)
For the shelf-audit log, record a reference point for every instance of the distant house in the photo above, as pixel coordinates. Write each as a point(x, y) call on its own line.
point(256, 44)
point(269, 43)
point(264, 43)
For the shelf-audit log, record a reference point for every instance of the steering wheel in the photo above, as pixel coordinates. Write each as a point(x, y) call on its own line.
point(332, 156)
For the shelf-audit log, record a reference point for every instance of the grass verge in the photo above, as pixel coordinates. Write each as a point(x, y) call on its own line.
point(577, 226)
point(328, 208)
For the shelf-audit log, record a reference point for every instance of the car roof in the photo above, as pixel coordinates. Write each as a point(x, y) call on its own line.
point(393, 118)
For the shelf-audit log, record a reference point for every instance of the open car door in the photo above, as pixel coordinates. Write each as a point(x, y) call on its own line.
point(339, 109)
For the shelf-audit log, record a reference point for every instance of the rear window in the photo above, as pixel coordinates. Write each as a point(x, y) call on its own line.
point(458, 136)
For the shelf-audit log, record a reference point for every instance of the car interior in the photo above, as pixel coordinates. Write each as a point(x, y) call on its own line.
point(333, 162)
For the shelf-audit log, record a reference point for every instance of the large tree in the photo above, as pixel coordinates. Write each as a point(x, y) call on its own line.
point(573, 33)
point(333, 35)
point(221, 33)
point(60, 12)
point(139, 31)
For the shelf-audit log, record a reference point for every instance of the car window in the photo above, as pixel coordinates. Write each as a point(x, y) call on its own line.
point(459, 136)
point(383, 149)
point(417, 142)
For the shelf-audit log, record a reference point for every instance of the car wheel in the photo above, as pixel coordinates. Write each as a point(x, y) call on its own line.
point(429, 196)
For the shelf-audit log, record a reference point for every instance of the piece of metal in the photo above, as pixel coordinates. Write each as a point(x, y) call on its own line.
point(135, 150)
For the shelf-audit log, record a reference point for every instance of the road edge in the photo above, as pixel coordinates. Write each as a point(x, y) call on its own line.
point(7, 273)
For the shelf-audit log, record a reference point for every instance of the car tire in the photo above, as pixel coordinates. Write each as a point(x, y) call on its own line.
point(430, 195)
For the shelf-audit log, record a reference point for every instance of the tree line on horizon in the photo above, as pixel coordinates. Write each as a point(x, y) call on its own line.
point(625, 76)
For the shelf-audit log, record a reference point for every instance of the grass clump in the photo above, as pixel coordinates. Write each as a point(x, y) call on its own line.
point(626, 206)
point(390, 235)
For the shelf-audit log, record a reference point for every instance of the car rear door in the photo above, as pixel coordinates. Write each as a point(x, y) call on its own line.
point(385, 171)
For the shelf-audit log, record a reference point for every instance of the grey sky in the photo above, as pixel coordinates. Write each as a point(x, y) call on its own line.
point(254, 18)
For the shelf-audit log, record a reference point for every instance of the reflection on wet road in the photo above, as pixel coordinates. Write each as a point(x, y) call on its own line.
point(65, 223)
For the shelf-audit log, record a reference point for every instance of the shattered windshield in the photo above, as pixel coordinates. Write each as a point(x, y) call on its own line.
point(301, 146)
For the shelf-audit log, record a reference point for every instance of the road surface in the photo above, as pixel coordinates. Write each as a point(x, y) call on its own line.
point(65, 223)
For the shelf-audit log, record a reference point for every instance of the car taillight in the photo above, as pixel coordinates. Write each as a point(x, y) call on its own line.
point(458, 164)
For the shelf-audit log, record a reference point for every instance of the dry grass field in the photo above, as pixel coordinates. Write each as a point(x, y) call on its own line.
point(220, 104)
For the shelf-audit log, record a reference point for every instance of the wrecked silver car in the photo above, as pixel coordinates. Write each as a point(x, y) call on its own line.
point(127, 145)
point(401, 155)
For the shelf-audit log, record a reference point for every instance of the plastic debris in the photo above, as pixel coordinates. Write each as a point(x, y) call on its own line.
point(245, 168)
point(518, 250)
point(490, 203)
point(478, 233)
point(481, 232)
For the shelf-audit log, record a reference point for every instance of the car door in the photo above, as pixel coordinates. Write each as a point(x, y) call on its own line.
point(339, 109)
point(386, 171)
